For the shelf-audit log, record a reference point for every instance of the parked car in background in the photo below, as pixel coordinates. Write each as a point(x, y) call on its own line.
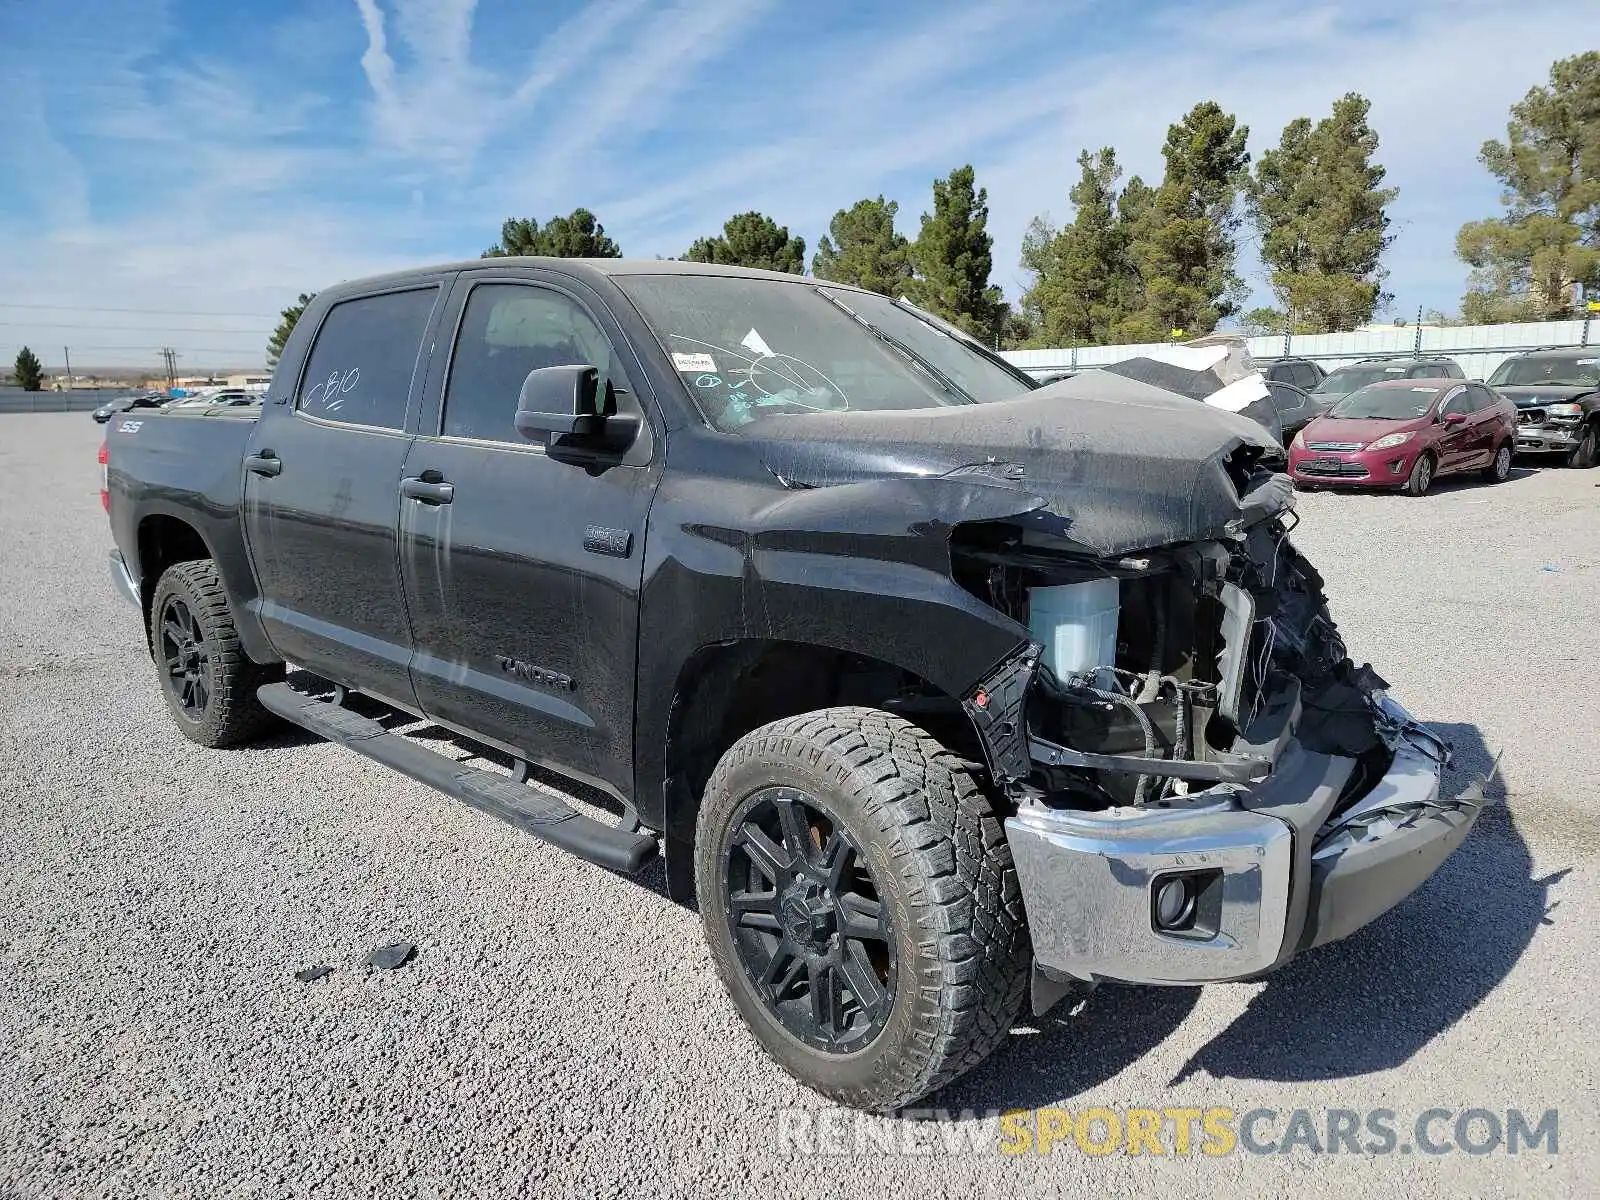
point(1405, 433)
point(1294, 406)
point(1301, 372)
point(127, 401)
point(1370, 370)
point(1557, 395)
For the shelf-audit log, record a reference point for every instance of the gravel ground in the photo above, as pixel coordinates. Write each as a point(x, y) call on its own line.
point(561, 1031)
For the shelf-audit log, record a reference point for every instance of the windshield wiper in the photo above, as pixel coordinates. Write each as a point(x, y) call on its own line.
point(956, 333)
point(905, 351)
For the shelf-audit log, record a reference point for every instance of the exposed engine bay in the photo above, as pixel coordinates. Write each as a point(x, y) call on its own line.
point(1221, 650)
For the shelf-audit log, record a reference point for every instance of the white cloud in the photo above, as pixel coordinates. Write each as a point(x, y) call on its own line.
point(152, 173)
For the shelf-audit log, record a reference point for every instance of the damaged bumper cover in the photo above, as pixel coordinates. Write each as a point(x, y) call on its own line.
point(1268, 869)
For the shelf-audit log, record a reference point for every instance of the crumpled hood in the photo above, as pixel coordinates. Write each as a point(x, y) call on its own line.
point(1535, 396)
point(1126, 465)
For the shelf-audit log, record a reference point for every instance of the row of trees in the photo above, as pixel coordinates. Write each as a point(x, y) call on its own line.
point(1142, 262)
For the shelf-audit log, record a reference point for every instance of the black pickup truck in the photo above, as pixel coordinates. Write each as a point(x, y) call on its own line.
point(941, 693)
point(1557, 394)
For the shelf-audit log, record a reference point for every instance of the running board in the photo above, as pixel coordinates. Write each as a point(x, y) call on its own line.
point(529, 809)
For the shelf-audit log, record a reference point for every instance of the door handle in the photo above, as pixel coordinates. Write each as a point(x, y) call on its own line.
point(429, 491)
point(263, 462)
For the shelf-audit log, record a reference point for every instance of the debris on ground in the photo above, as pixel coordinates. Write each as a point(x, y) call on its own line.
point(312, 974)
point(387, 958)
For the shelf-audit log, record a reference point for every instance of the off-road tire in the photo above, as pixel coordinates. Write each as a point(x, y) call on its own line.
point(1421, 477)
point(232, 714)
point(1582, 456)
point(1499, 468)
point(939, 859)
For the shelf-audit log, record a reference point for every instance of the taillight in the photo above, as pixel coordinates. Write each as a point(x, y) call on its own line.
point(105, 476)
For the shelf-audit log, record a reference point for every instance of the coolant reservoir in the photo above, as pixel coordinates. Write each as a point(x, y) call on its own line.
point(1077, 625)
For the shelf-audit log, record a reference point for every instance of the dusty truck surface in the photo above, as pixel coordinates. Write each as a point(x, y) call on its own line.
point(938, 692)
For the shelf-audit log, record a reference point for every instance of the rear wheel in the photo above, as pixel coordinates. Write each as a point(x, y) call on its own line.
point(207, 680)
point(1421, 478)
point(1582, 455)
point(1499, 468)
point(861, 906)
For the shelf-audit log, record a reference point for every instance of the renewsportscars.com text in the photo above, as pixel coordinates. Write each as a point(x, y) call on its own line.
point(1210, 1132)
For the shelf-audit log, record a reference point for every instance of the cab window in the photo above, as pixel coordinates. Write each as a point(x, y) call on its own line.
point(507, 330)
point(365, 357)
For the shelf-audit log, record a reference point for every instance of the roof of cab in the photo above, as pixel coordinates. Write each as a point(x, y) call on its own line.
point(577, 267)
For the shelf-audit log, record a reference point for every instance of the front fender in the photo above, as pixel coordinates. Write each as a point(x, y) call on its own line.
point(862, 568)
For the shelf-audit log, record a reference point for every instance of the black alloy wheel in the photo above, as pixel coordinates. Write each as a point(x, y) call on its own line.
point(186, 657)
point(807, 921)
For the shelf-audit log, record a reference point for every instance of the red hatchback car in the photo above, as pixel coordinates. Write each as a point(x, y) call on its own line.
point(1405, 433)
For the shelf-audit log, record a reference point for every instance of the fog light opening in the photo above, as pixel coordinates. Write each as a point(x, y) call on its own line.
point(1174, 907)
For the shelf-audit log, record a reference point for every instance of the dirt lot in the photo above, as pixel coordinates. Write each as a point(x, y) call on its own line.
point(560, 1030)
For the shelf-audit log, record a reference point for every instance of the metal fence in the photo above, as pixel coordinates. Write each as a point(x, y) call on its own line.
point(1479, 349)
point(15, 400)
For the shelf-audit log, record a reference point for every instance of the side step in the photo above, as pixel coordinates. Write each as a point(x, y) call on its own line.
point(533, 811)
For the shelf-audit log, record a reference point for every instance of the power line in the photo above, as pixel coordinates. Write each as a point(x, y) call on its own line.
point(160, 312)
point(151, 346)
point(128, 328)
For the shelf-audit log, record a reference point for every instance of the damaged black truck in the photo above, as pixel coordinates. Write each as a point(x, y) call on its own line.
point(938, 691)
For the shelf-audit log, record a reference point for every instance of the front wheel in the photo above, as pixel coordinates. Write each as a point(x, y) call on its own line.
point(1582, 455)
point(1421, 477)
point(1499, 468)
point(861, 906)
point(208, 681)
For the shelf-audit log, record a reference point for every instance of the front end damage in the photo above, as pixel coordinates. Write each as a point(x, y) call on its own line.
point(1229, 790)
point(1222, 786)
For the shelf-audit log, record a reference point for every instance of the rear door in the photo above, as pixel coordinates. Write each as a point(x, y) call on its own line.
point(322, 493)
point(523, 582)
point(1485, 422)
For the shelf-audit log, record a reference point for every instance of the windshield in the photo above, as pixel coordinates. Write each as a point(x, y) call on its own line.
point(1348, 379)
point(1574, 371)
point(1388, 403)
point(749, 348)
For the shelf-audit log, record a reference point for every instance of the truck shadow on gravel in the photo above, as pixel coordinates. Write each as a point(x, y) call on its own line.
point(1368, 1003)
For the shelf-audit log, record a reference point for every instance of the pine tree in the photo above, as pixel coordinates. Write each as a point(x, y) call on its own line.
point(1182, 233)
point(752, 239)
point(287, 320)
point(577, 236)
point(29, 370)
point(1083, 279)
point(952, 258)
point(1320, 209)
point(1525, 263)
point(862, 248)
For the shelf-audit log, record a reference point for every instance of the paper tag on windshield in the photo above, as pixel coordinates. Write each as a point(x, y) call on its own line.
point(1588, 362)
point(1393, 370)
point(693, 362)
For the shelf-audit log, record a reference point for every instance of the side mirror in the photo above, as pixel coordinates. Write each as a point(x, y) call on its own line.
point(575, 406)
point(1454, 418)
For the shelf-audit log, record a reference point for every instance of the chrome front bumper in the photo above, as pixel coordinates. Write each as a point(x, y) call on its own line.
point(123, 580)
point(1278, 875)
point(1535, 439)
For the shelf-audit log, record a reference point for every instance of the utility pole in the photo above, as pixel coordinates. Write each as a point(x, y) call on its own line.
point(170, 356)
point(1416, 347)
point(66, 353)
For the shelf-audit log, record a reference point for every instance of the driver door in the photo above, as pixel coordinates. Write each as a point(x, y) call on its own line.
point(522, 572)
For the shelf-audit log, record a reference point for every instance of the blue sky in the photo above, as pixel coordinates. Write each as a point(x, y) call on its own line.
point(199, 163)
